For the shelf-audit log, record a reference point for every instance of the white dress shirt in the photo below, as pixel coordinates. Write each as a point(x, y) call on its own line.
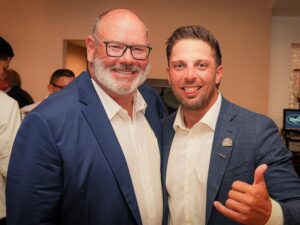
point(187, 170)
point(9, 124)
point(27, 109)
point(141, 151)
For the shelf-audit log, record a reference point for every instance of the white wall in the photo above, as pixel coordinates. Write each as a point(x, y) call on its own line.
point(285, 31)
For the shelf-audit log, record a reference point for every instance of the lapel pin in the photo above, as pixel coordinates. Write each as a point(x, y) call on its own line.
point(227, 142)
point(219, 154)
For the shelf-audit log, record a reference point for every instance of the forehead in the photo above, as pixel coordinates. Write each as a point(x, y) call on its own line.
point(64, 80)
point(123, 27)
point(191, 49)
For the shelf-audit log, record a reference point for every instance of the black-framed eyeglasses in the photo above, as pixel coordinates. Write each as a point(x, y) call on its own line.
point(58, 86)
point(118, 49)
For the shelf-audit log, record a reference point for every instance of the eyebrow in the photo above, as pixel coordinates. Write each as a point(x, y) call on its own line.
point(196, 61)
point(203, 61)
point(177, 61)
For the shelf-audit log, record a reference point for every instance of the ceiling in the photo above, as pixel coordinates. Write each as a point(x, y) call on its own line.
point(286, 8)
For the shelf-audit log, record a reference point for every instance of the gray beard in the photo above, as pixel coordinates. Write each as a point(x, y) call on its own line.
point(120, 87)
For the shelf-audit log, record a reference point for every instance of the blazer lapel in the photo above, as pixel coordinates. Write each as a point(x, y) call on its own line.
point(151, 113)
point(97, 119)
point(155, 125)
point(224, 139)
point(168, 135)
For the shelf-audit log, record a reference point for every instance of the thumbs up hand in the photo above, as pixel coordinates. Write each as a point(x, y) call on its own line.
point(259, 175)
point(248, 203)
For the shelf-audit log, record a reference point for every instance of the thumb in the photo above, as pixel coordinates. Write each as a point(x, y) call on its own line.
point(259, 173)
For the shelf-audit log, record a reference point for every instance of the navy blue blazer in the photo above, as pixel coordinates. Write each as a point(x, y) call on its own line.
point(67, 166)
point(256, 141)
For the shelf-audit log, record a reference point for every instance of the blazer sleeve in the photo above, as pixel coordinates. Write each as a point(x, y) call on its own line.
point(34, 182)
point(282, 181)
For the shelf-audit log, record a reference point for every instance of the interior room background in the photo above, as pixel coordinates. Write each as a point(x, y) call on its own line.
point(255, 38)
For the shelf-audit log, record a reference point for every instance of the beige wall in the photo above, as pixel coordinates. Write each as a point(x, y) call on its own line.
point(75, 57)
point(37, 29)
point(285, 31)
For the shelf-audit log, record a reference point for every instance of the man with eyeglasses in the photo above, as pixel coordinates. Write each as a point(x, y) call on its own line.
point(91, 153)
point(60, 78)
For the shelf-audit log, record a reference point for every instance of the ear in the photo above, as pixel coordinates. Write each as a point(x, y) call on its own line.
point(219, 74)
point(50, 88)
point(90, 48)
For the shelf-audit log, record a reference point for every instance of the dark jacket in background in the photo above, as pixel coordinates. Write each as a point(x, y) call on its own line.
point(21, 96)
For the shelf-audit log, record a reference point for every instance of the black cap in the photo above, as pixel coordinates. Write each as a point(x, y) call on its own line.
point(5, 49)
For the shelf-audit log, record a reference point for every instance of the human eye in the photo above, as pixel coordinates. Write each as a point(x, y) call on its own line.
point(115, 47)
point(178, 66)
point(139, 49)
point(202, 65)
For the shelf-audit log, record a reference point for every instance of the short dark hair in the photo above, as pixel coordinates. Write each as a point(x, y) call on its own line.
point(194, 32)
point(6, 50)
point(61, 73)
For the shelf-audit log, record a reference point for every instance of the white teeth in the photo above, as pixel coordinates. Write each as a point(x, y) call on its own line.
point(124, 72)
point(191, 89)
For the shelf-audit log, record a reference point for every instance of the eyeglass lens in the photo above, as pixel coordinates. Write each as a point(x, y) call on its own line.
point(116, 49)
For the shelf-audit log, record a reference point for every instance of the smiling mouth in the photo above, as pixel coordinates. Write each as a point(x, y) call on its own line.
point(191, 90)
point(125, 72)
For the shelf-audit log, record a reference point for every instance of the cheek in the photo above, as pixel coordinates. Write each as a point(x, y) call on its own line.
point(100, 53)
point(174, 78)
point(207, 77)
point(143, 64)
point(109, 61)
point(139, 63)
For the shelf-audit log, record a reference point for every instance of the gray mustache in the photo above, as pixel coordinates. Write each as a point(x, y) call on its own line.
point(130, 68)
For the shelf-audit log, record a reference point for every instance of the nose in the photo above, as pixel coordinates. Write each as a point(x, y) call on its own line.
point(127, 57)
point(190, 75)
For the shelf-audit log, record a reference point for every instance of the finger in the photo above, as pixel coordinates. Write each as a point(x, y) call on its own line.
point(241, 186)
point(259, 175)
point(236, 206)
point(226, 211)
point(256, 196)
point(236, 195)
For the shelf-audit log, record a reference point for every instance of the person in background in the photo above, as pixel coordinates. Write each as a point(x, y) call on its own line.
point(9, 124)
point(10, 82)
point(90, 154)
point(6, 55)
point(15, 78)
point(222, 164)
point(59, 79)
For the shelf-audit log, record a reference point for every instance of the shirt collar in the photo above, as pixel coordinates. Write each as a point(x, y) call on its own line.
point(112, 107)
point(210, 118)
